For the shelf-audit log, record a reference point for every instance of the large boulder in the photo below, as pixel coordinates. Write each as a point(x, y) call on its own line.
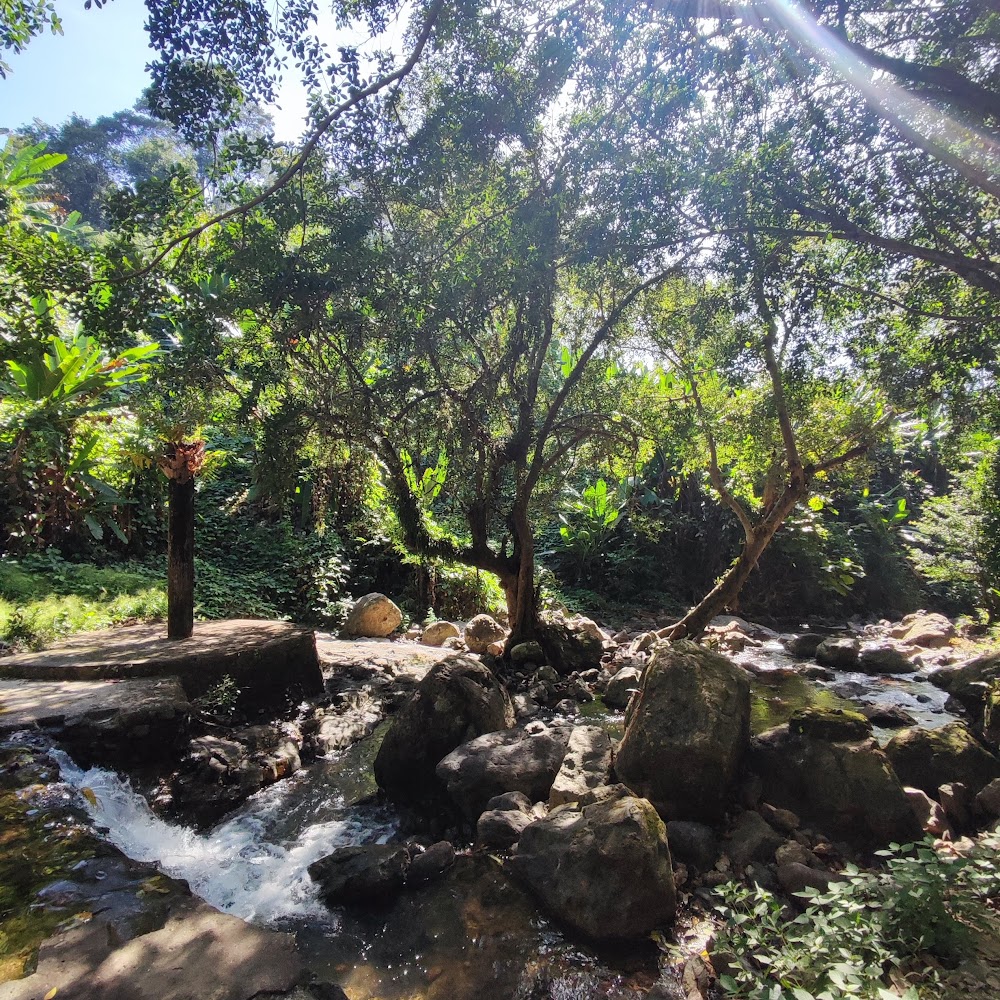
point(458, 700)
point(931, 631)
point(687, 731)
point(975, 687)
point(522, 760)
point(373, 616)
point(929, 758)
point(841, 654)
point(621, 687)
point(368, 873)
point(884, 658)
point(571, 644)
point(827, 768)
point(482, 632)
point(601, 866)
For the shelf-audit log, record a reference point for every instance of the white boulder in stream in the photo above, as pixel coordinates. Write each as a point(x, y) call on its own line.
point(600, 866)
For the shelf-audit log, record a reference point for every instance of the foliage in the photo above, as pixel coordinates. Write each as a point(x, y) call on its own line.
point(861, 929)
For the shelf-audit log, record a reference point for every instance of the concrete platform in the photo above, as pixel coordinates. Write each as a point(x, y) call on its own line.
point(267, 659)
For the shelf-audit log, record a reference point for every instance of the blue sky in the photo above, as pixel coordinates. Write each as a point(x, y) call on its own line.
point(97, 67)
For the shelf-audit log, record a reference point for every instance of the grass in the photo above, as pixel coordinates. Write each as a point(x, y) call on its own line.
point(43, 599)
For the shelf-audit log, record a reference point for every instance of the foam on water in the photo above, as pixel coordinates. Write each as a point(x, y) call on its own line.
point(254, 864)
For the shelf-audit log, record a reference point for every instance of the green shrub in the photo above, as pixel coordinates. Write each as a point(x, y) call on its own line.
point(854, 933)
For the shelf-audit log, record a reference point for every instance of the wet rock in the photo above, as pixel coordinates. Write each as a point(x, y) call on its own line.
point(887, 716)
point(687, 731)
point(621, 687)
point(693, 843)
point(335, 730)
point(438, 632)
point(501, 828)
point(803, 646)
point(600, 866)
point(884, 658)
point(567, 706)
point(571, 643)
point(931, 631)
point(752, 839)
point(373, 616)
point(431, 864)
point(845, 785)
point(928, 758)
point(521, 760)
point(584, 767)
point(369, 873)
point(929, 813)
point(458, 700)
point(841, 654)
point(481, 631)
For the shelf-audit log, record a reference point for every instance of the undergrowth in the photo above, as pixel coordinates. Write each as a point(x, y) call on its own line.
point(869, 936)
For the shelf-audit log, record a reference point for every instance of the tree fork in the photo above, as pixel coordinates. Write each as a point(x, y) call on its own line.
point(181, 462)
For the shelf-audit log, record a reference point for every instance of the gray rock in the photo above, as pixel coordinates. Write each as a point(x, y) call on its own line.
point(527, 652)
point(585, 766)
point(884, 658)
point(929, 813)
point(600, 866)
point(373, 615)
point(959, 805)
point(370, 873)
point(841, 654)
point(571, 643)
point(621, 686)
point(501, 828)
point(482, 631)
point(988, 799)
point(803, 646)
point(458, 700)
point(510, 800)
point(431, 864)
point(752, 840)
point(693, 843)
point(929, 758)
point(515, 761)
point(687, 731)
point(796, 877)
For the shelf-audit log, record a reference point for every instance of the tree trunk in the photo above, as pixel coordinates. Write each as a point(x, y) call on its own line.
point(180, 559)
point(519, 587)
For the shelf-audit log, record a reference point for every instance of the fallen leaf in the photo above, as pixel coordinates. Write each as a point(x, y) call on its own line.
point(88, 794)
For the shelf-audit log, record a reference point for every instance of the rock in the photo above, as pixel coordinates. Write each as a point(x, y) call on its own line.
point(792, 852)
point(931, 631)
point(370, 873)
point(373, 616)
point(584, 767)
point(566, 706)
point(500, 828)
point(527, 652)
point(525, 707)
point(482, 631)
point(693, 843)
point(988, 799)
point(835, 724)
point(621, 686)
point(516, 761)
point(841, 654)
point(571, 643)
point(431, 864)
point(545, 675)
point(458, 700)
point(600, 866)
point(795, 877)
point(846, 786)
point(752, 840)
point(517, 801)
point(887, 716)
point(884, 658)
point(928, 758)
point(781, 819)
point(803, 646)
point(958, 804)
point(975, 685)
point(437, 632)
point(494, 649)
point(687, 731)
point(929, 813)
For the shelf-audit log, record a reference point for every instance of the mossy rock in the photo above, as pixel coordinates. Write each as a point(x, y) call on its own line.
point(929, 758)
point(837, 725)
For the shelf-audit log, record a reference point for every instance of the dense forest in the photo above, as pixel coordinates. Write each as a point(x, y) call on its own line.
point(604, 306)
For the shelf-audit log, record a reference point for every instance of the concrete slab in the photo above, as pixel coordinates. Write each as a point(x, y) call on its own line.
point(265, 658)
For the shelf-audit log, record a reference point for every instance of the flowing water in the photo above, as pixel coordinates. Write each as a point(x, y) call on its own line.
point(469, 935)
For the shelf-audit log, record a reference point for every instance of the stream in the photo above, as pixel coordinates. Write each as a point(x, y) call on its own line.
point(469, 935)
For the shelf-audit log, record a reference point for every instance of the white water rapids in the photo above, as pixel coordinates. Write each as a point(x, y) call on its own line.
point(254, 864)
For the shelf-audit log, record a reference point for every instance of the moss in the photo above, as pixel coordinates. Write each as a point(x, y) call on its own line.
point(834, 724)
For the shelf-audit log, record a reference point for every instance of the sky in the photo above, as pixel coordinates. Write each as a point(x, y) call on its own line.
point(97, 67)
